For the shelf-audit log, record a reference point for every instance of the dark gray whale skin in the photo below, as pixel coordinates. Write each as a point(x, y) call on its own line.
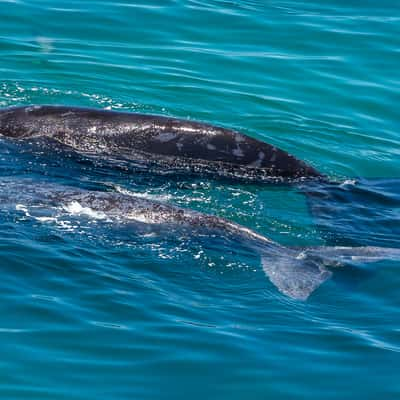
point(296, 272)
point(174, 144)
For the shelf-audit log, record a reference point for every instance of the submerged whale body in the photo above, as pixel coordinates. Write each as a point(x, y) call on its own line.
point(169, 144)
point(296, 272)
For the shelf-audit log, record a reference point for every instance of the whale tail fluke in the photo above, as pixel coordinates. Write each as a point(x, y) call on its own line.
point(299, 272)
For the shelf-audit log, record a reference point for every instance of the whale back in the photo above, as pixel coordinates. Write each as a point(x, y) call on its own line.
point(296, 272)
point(172, 142)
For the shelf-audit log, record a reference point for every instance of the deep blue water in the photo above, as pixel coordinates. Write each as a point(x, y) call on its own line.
point(90, 310)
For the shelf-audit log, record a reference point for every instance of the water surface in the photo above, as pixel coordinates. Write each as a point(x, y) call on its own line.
point(91, 311)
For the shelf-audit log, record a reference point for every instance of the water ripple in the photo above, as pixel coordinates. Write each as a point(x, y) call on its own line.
point(91, 310)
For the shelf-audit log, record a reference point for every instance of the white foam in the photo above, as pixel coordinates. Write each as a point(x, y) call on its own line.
point(349, 182)
point(23, 208)
point(46, 219)
point(140, 195)
point(74, 208)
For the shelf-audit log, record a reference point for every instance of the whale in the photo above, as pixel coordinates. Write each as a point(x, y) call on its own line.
point(295, 272)
point(164, 144)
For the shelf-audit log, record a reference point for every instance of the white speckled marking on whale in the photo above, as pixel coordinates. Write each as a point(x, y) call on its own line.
point(258, 162)
point(165, 137)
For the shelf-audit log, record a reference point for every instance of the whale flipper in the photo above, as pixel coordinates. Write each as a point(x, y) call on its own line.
point(294, 277)
point(298, 273)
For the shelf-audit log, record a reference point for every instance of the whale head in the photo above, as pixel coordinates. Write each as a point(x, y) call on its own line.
point(16, 122)
point(9, 122)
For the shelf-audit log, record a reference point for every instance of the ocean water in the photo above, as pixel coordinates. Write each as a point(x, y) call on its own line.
point(89, 310)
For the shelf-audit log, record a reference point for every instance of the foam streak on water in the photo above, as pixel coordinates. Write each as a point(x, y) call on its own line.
point(92, 310)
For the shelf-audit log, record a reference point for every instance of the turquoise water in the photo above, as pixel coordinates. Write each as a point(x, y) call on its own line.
point(89, 311)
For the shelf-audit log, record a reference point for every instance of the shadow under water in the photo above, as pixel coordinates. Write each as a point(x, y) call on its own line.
point(357, 212)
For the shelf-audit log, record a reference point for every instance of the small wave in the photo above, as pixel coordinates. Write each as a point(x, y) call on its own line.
point(142, 195)
point(348, 182)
